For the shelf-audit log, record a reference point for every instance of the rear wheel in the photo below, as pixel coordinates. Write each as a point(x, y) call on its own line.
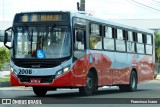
point(90, 85)
point(132, 86)
point(40, 91)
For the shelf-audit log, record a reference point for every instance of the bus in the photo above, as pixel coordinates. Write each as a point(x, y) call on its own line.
point(63, 49)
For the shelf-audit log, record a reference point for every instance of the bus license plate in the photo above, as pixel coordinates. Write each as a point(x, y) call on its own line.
point(33, 80)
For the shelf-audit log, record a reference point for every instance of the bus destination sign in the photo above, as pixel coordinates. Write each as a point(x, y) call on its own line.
point(40, 17)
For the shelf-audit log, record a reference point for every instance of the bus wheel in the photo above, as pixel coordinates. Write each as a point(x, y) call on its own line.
point(40, 91)
point(132, 86)
point(90, 85)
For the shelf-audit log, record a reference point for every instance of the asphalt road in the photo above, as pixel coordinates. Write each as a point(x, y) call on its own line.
point(103, 98)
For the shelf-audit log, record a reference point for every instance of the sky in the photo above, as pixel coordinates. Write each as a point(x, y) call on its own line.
point(105, 9)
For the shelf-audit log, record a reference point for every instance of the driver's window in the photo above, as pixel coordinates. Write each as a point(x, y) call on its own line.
point(79, 39)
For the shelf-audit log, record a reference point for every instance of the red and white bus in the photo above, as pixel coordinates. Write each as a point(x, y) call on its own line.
point(51, 50)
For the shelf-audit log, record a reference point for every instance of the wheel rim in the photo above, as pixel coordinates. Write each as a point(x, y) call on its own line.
point(89, 83)
point(133, 81)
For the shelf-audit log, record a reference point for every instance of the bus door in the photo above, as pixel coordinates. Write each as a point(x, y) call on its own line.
point(79, 56)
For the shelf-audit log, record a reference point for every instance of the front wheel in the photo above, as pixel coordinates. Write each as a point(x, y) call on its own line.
point(90, 85)
point(40, 91)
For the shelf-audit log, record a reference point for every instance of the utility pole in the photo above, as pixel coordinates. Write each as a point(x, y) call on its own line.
point(3, 11)
point(82, 5)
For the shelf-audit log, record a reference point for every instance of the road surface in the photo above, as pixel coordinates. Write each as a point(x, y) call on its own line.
point(105, 96)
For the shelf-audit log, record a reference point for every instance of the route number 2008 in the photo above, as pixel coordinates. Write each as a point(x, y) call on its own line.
point(25, 71)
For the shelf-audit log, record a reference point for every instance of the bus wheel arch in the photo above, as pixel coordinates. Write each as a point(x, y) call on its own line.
point(91, 83)
point(133, 81)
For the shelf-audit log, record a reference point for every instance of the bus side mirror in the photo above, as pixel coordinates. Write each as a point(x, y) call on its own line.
point(78, 6)
point(5, 38)
point(8, 38)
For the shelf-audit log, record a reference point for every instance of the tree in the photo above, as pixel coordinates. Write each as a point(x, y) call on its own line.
point(4, 56)
point(158, 53)
point(157, 46)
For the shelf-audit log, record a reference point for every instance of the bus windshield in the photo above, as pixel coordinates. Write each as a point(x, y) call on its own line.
point(53, 41)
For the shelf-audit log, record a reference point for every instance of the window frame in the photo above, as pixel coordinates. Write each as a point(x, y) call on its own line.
point(120, 39)
point(149, 44)
point(109, 38)
point(99, 36)
point(84, 34)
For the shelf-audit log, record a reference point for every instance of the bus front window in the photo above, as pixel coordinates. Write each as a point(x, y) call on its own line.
point(55, 42)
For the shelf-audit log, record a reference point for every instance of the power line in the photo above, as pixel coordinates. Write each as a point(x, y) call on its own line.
point(145, 5)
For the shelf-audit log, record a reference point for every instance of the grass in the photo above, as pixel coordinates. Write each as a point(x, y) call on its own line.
point(8, 76)
point(4, 79)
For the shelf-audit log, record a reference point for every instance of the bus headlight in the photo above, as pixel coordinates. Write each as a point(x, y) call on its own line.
point(60, 72)
point(66, 69)
point(13, 71)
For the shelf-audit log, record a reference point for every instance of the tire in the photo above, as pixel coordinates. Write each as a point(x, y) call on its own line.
point(90, 87)
point(40, 91)
point(132, 86)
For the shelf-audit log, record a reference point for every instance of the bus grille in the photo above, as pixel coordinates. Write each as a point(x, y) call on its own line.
point(35, 63)
point(44, 79)
point(39, 63)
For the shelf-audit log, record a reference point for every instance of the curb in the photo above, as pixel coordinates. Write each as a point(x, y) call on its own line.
point(16, 88)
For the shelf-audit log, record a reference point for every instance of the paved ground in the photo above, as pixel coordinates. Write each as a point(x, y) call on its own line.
point(71, 98)
point(147, 90)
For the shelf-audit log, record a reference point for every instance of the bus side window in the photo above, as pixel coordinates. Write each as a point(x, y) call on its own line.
point(140, 43)
point(79, 39)
point(130, 42)
point(149, 44)
point(135, 41)
point(108, 40)
point(120, 42)
point(95, 36)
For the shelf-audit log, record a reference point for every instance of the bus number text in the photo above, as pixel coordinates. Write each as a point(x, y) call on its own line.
point(25, 71)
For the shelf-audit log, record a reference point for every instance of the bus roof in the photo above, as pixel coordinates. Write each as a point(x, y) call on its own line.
point(111, 23)
point(84, 15)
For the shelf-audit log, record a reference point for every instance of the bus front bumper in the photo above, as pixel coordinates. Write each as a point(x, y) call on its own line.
point(61, 81)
